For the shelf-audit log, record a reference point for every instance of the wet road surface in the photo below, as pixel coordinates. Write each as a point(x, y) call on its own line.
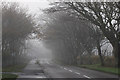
point(47, 70)
point(59, 71)
point(32, 71)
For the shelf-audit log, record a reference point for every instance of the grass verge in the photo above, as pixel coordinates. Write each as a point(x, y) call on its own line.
point(103, 69)
point(9, 76)
point(15, 68)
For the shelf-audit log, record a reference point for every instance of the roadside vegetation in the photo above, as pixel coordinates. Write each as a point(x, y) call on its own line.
point(15, 68)
point(17, 26)
point(98, 67)
point(9, 77)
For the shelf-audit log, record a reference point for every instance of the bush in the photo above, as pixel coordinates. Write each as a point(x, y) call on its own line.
point(95, 59)
point(109, 61)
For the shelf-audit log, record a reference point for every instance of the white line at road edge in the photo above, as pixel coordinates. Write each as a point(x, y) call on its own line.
point(86, 76)
point(77, 73)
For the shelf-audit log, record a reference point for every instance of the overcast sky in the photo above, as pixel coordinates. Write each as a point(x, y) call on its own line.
point(37, 48)
point(34, 6)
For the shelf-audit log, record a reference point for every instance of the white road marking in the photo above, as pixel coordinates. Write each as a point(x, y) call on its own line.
point(65, 68)
point(86, 76)
point(70, 70)
point(77, 73)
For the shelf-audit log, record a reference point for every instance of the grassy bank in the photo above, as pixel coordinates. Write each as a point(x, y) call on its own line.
point(9, 76)
point(14, 68)
point(97, 67)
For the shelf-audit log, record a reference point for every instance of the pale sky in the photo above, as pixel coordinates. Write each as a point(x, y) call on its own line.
point(34, 6)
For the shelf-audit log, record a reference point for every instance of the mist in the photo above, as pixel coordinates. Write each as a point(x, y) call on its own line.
point(37, 49)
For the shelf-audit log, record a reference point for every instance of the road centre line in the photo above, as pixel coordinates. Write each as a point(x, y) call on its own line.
point(86, 76)
point(77, 73)
point(65, 68)
point(70, 70)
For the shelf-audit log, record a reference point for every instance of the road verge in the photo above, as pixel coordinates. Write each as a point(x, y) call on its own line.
point(111, 70)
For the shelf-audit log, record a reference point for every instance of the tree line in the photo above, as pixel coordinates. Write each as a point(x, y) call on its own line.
point(17, 25)
point(76, 29)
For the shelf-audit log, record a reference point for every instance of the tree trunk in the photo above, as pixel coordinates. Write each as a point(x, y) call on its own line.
point(90, 61)
point(119, 54)
point(100, 53)
point(116, 51)
point(81, 60)
point(115, 43)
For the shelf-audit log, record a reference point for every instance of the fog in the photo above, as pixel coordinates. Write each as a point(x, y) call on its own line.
point(37, 49)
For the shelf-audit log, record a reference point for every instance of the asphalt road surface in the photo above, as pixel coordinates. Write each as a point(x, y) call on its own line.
point(32, 71)
point(48, 69)
point(59, 71)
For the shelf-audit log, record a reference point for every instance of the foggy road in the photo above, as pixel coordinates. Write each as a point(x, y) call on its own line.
point(58, 71)
point(37, 35)
point(48, 69)
point(32, 71)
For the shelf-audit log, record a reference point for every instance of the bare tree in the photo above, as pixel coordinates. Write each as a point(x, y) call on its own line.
point(72, 33)
point(17, 24)
point(105, 15)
